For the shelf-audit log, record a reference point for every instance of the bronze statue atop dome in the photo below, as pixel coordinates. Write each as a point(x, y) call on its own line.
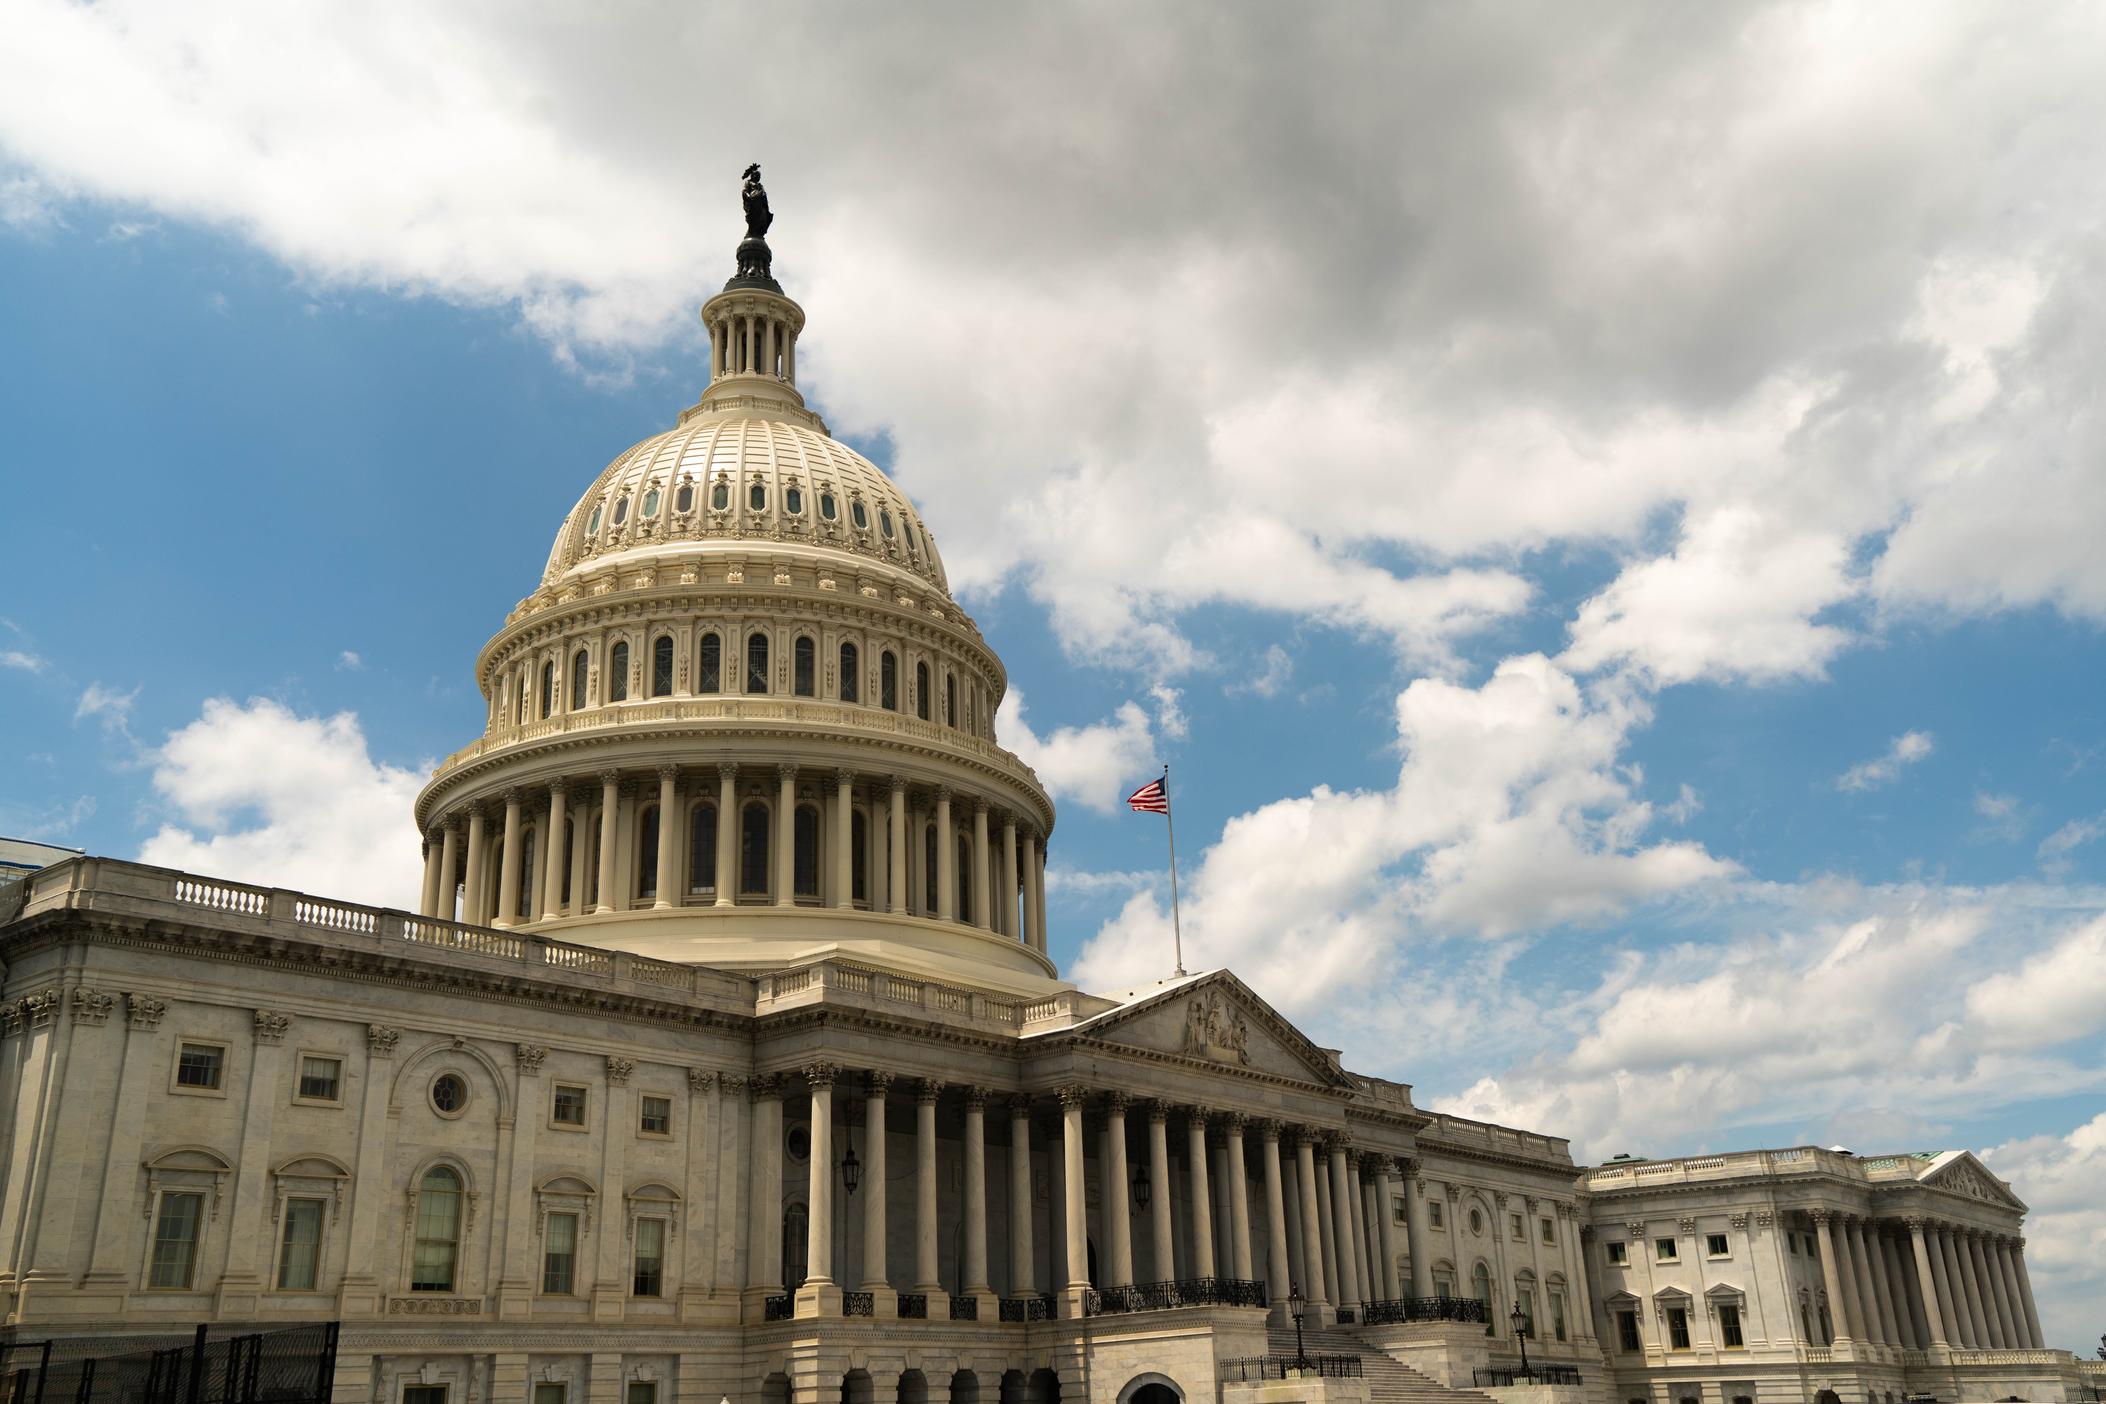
point(755, 199)
point(756, 262)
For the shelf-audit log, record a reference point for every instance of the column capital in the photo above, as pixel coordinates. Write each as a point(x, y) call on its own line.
point(898, 785)
point(578, 794)
point(1117, 1102)
point(1073, 1095)
point(1407, 1166)
point(1197, 1116)
point(786, 770)
point(1636, 1228)
point(1158, 1111)
point(844, 776)
point(618, 1070)
point(821, 1074)
point(610, 776)
point(928, 1090)
point(976, 1097)
point(1821, 1217)
point(1269, 1128)
point(880, 1083)
point(727, 770)
point(943, 794)
point(1233, 1122)
point(766, 1085)
point(513, 796)
point(1020, 1104)
point(981, 807)
point(668, 771)
point(700, 1079)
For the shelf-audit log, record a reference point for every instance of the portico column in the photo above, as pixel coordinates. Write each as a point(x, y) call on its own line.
point(1830, 1277)
point(975, 1283)
point(1278, 1271)
point(844, 838)
point(1386, 1230)
point(610, 820)
point(508, 867)
point(1326, 1230)
point(1907, 1305)
point(727, 833)
point(764, 1240)
point(1582, 1290)
point(1926, 1287)
point(580, 847)
point(1363, 1238)
point(819, 1220)
point(1858, 1307)
point(1078, 1246)
point(1165, 1264)
point(1970, 1337)
point(946, 858)
point(449, 849)
point(1023, 1272)
point(896, 896)
point(1312, 1241)
point(1238, 1188)
point(875, 1276)
point(925, 1275)
point(1118, 1213)
point(1997, 1251)
point(1034, 934)
point(1009, 918)
point(1416, 1231)
point(2000, 1334)
point(1202, 1202)
point(786, 836)
point(983, 904)
point(1342, 1224)
point(1985, 1333)
point(669, 832)
point(1868, 1246)
point(2025, 1292)
point(428, 895)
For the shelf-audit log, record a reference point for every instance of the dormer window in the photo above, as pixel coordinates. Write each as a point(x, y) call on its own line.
point(885, 522)
point(828, 508)
point(592, 523)
point(757, 498)
point(793, 501)
point(720, 497)
point(650, 503)
point(857, 515)
point(621, 510)
point(684, 498)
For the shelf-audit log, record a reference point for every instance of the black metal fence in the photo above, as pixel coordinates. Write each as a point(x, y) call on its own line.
point(780, 1307)
point(1502, 1378)
point(1035, 1308)
point(1160, 1296)
point(913, 1306)
point(1280, 1367)
point(292, 1365)
point(859, 1304)
point(1405, 1309)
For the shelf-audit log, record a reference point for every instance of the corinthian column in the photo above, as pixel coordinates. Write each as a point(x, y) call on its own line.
point(1023, 1271)
point(946, 858)
point(1993, 1311)
point(610, 828)
point(1008, 926)
point(1202, 1202)
point(1164, 1265)
point(844, 838)
point(1078, 1245)
point(1830, 1277)
point(1926, 1287)
point(727, 833)
point(1238, 1190)
point(428, 895)
point(875, 1277)
point(1312, 1240)
point(670, 831)
point(976, 1284)
point(1386, 1230)
point(1418, 1233)
point(508, 867)
point(2025, 1292)
point(1118, 1216)
point(1342, 1226)
point(925, 1277)
point(449, 844)
point(1278, 1271)
point(983, 907)
point(819, 1220)
point(896, 896)
point(786, 836)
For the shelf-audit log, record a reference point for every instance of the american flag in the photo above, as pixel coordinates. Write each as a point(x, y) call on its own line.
point(1151, 798)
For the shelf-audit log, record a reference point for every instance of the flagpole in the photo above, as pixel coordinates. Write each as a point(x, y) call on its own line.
point(1177, 930)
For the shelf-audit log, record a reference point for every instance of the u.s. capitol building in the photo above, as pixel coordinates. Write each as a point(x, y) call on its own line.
point(725, 1058)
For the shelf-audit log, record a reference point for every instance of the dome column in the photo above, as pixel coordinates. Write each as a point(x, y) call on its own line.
point(668, 831)
point(552, 888)
point(508, 866)
point(1009, 926)
point(1034, 936)
point(428, 895)
point(449, 850)
point(786, 836)
point(580, 847)
point(610, 820)
point(844, 837)
point(727, 833)
point(983, 911)
point(946, 858)
point(475, 906)
point(896, 876)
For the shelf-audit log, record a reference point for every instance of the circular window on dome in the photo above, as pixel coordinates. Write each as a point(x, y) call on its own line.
point(827, 506)
point(860, 517)
point(592, 523)
point(799, 1143)
point(650, 503)
point(621, 510)
point(720, 497)
point(449, 1094)
point(757, 498)
point(885, 522)
point(793, 502)
point(684, 499)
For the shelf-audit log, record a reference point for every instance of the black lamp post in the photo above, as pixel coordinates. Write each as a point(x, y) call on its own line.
point(1520, 1325)
point(851, 1168)
point(1295, 1306)
point(1143, 1191)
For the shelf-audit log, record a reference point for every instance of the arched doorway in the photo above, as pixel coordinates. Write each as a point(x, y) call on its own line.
point(1151, 1389)
point(856, 1388)
point(1012, 1387)
point(1042, 1388)
point(965, 1388)
point(775, 1390)
point(913, 1387)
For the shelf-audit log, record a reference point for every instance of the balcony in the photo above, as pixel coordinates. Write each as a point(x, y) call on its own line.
point(1166, 1296)
point(1409, 1309)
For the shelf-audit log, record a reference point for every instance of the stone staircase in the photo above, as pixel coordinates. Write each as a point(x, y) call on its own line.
point(1389, 1380)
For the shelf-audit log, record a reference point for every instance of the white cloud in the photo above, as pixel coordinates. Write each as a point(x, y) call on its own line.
point(349, 662)
point(2055, 849)
point(2057, 995)
point(111, 708)
point(2059, 1178)
point(27, 662)
point(1095, 765)
point(261, 794)
point(1905, 750)
point(28, 206)
point(2003, 817)
point(1271, 678)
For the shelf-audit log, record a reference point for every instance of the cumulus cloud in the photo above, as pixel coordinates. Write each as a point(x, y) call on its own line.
point(2059, 1178)
point(262, 794)
point(1094, 765)
point(1904, 751)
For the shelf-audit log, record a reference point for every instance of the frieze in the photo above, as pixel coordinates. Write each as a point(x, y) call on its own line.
point(1215, 1030)
point(435, 1306)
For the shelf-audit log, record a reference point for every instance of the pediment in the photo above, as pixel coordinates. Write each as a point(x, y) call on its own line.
point(1958, 1172)
point(1214, 1018)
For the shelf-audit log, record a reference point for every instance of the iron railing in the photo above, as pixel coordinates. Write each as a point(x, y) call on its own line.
point(1161, 1296)
point(965, 1308)
point(914, 1306)
point(1399, 1310)
point(778, 1308)
point(859, 1304)
point(1346, 1316)
point(1280, 1367)
point(1038, 1308)
point(294, 1365)
point(1503, 1378)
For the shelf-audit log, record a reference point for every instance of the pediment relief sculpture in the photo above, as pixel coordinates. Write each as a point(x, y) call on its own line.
point(1214, 1030)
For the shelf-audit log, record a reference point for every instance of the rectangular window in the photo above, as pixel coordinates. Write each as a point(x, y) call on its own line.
point(1729, 1327)
point(1513, 1224)
point(548, 1392)
point(1791, 1241)
point(1526, 1300)
point(570, 1106)
point(642, 1392)
point(1664, 1250)
point(1433, 1212)
point(1677, 1329)
point(300, 1250)
point(650, 1258)
point(1550, 1231)
point(1715, 1245)
point(656, 1116)
point(1443, 1285)
point(1627, 1330)
point(1399, 1211)
point(423, 1394)
point(200, 1065)
point(559, 1254)
point(321, 1079)
point(1619, 1251)
point(175, 1241)
point(1557, 1315)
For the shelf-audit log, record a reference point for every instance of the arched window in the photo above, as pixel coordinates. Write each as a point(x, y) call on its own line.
point(888, 681)
point(702, 849)
point(921, 691)
point(859, 858)
point(438, 1245)
point(684, 497)
point(580, 670)
point(756, 663)
point(647, 854)
point(804, 667)
point(662, 666)
point(757, 498)
point(796, 1244)
point(928, 872)
point(849, 663)
point(548, 688)
point(950, 699)
point(1481, 1288)
point(965, 878)
point(618, 674)
point(709, 664)
point(807, 832)
point(528, 907)
point(720, 497)
point(753, 850)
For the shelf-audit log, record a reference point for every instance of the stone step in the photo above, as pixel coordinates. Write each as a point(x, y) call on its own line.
point(1389, 1380)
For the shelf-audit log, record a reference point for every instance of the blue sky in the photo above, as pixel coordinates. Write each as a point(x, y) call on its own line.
point(1616, 578)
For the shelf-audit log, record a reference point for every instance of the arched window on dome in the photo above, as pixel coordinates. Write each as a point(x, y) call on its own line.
point(858, 515)
point(921, 691)
point(528, 908)
point(929, 902)
point(888, 680)
point(709, 664)
point(618, 673)
point(950, 699)
point(647, 853)
point(851, 662)
point(662, 666)
point(437, 1247)
point(793, 501)
point(580, 670)
point(548, 689)
point(702, 849)
point(753, 849)
point(650, 502)
point(720, 497)
point(828, 509)
point(757, 497)
point(859, 857)
point(756, 662)
point(621, 510)
point(965, 877)
point(806, 867)
point(804, 667)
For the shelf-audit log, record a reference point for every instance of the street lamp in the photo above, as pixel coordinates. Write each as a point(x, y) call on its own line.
point(851, 1168)
point(1143, 1191)
point(1295, 1305)
point(1520, 1325)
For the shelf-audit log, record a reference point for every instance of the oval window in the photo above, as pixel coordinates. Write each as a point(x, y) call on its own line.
point(799, 1143)
point(650, 503)
point(857, 515)
point(449, 1093)
point(684, 499)
point(885, 521)
point(757, 498)
point(1476, 1222)
point(720, 497)
point(826, 506)
point(592, 524)
point(621, 510)
point(793, 502)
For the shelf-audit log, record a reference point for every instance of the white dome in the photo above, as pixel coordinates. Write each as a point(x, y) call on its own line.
point(738, 478)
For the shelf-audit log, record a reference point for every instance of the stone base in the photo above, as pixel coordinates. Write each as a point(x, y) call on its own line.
point(818, 1299)
point(1067, 1303)
point(1302, 1388)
